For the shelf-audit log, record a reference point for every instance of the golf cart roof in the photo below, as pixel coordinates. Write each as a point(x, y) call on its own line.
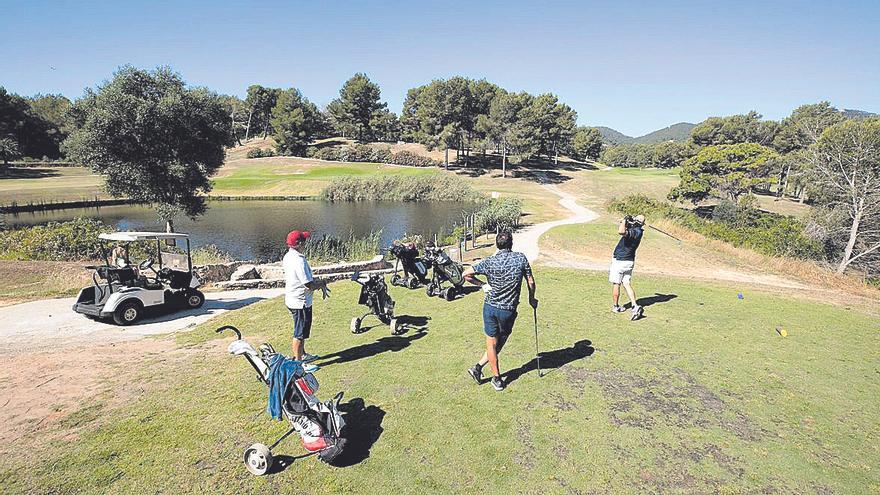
point(140, 236)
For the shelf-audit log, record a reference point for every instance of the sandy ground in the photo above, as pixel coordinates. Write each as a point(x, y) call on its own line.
point(56, 365)
point(52, 324)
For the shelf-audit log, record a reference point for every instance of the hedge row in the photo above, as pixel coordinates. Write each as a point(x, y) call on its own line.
point(260, 153)
point(365, 153)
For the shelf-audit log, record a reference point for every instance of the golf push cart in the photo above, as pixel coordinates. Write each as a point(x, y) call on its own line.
point(374, 295)
point(319, 424)
point(415, 271)
point(444, 270)
point(124, 292)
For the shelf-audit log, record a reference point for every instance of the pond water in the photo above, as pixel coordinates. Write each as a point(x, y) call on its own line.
point(258, 229)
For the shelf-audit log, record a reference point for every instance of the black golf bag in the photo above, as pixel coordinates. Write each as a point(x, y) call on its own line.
point(444, 270)
point(374, 295)
point(415, 271)
point(319, 424)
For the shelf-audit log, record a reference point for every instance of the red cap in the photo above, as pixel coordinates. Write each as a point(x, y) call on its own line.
point(295, 237)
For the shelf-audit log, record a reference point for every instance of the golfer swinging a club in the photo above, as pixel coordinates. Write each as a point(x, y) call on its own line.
point(505, 271)
point(630, 230)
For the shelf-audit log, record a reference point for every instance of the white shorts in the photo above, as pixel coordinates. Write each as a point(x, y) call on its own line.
point(621, 271)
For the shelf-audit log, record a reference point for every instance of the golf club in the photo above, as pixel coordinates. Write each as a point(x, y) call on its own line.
point(664, 233)
point(537, 354)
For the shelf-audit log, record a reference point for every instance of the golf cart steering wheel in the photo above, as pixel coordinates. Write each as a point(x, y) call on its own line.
point(147, 264)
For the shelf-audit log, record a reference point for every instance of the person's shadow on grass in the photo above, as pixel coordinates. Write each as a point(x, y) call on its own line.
point(553, 359)
point(656, 298)
point(392, 343)
point(363, 427)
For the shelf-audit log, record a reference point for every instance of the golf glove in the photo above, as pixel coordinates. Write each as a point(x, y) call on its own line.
point(487, 288)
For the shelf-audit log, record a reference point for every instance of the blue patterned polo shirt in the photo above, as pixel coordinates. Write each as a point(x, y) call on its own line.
point(505, 271)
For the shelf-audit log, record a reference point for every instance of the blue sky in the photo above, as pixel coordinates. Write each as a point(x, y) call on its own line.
point(634, 66)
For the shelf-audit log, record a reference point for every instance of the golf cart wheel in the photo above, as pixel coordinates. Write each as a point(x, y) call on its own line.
point(257, 459)
point(429, 289)
point(448, 293)
point(355, 325)
point(127, 313)
point(194, 299)
point(395, 279)
point(412, 283)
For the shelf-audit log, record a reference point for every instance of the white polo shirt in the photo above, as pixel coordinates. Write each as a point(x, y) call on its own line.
point(297, 273)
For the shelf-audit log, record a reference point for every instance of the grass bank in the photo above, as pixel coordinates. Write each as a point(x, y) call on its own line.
point(702, 396)
point(291, 176)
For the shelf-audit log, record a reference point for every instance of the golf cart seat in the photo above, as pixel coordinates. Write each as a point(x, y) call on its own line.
point(177, 279)
point(124, 276)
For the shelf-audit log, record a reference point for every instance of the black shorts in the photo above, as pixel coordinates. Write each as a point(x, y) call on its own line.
point(302, 322)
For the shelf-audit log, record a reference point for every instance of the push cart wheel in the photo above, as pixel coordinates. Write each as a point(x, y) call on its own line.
point(355, 325)
point(448, 293)
point(395, 330)
point(194, 299)
point(127, 313)
point(257, 459)
point(412, 283)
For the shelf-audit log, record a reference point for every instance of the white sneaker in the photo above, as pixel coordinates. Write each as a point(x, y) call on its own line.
point(617, 309)
point(637, 312)
point(308, 358)
point(311, 368)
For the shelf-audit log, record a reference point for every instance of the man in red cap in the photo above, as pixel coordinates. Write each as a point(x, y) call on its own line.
point(299, 285)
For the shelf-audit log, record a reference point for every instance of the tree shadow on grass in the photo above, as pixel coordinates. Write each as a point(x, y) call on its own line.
point(363, 427)
point(26, 173)
point(392, 343)
point(553, 360)
point(542, 176)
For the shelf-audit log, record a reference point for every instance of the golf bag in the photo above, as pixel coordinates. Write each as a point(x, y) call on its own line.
point(319, 424)
point(443, 270)
point(414, 270)
point(374, 295)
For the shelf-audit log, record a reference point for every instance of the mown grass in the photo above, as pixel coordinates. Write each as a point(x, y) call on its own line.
point(49, 185)
point(702, 396)
point(296, 176)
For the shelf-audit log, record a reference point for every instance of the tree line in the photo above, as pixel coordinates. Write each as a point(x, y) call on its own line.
point(157, 140)
point(32, 127)
point(817, 152)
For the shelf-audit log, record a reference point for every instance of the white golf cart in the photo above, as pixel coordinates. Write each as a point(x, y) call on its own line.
point(124, 291)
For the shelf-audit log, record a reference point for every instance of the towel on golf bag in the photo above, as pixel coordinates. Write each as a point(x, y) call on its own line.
point(281, 371)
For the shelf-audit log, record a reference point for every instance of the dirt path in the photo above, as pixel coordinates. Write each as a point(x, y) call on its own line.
point(527, 239)
point(59, 366)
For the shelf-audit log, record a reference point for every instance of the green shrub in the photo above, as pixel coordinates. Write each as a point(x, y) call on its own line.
point(766, 233)
point(330, 249)
point(400, 188)
point(260, 153)
point(410, 159)
point(57, 241)
point(210, 255)
point(501, 214)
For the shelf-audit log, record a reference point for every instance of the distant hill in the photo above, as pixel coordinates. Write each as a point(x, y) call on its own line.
point(612, 136)
point(675, 132)
point(856, 114)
